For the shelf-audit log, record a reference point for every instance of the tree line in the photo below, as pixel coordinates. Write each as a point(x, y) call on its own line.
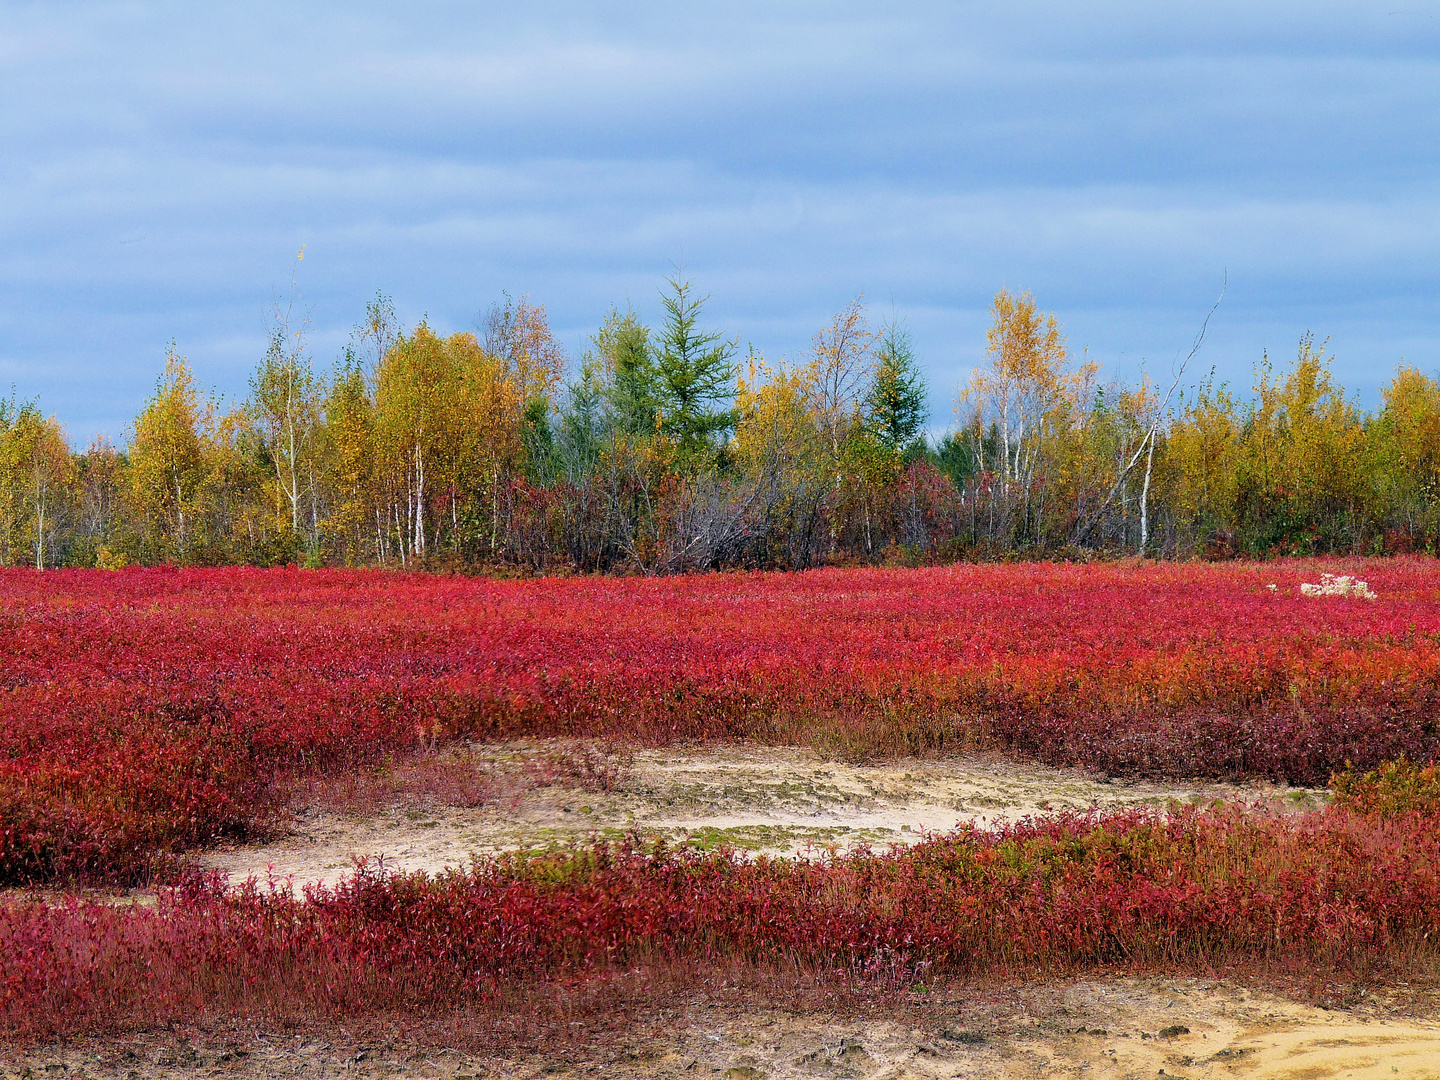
point(662, 449)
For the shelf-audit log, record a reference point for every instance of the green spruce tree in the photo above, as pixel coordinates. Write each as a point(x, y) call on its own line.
point(697, 375)
point(896, 403)
point(635, 392)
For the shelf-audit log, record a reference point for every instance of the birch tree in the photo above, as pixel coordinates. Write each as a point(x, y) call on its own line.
point(34, 461)
point(843, 359)
point(416, 376)
point(166, 457)
point(1029, 397)
point(285, 400)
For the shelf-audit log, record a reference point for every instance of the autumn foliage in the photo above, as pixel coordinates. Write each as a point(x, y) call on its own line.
point(148, 712)
point(657, 449)
point(1350, 890)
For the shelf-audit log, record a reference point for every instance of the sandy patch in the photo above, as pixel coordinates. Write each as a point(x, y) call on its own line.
point(1118, 1028)
point(1093, 1029)
point(764, 799)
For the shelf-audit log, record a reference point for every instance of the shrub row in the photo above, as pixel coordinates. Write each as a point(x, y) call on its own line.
point(1354, 887)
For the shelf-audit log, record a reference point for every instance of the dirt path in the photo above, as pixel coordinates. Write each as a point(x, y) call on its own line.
point(763, 799)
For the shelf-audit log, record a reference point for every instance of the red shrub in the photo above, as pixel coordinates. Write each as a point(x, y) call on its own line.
point(1334, 891)
point(148, 711)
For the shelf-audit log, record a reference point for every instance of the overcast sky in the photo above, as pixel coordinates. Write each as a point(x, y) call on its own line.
point(163, 163)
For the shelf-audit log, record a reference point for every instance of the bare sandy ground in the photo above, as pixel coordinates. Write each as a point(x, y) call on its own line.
point(761, 799)
point(1113, 1029)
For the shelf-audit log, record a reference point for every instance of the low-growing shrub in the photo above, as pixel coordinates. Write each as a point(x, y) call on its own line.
point(146, 712)
point(1336, 890)
point(1395, 789)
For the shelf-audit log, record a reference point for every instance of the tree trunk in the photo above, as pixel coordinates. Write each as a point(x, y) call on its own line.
point(1145, 496)
point(40, 533)
point(418, 534)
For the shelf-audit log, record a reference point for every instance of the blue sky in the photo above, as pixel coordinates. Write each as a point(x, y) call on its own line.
point(163, 162)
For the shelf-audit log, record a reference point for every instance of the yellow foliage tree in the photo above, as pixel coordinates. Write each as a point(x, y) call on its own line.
point(347, 453)
point(1031, 397)
point(34, 465)
point(1405, 452)
point(417, 386)
point(494, 391)
point(1202, 458)
point(448, 423)
point(518, 335)
point(1301, 475)
point(167, 466)
point(778, 423)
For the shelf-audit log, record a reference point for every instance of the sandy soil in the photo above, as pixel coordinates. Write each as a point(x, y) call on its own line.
point(762, 799)
point(1120, 1029)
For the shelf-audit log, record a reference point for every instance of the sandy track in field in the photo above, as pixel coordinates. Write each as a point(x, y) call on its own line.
point(1112, 1029)
point(763, 799)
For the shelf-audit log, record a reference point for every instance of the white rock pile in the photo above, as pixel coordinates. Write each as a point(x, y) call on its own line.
point(1338, 585)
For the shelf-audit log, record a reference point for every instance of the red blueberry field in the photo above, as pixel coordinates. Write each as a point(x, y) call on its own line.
point(149, 711)
point(151, 714)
